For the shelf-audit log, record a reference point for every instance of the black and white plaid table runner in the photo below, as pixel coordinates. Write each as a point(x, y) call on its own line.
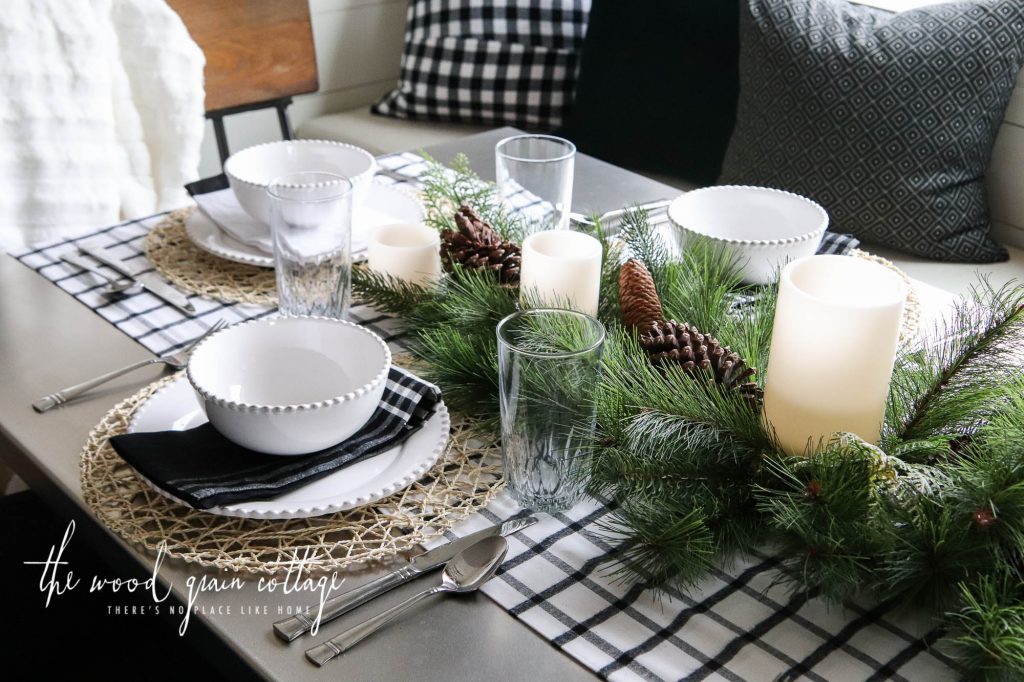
point(737, 623)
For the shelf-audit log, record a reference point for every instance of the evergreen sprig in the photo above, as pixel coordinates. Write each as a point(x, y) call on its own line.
point(824, 509)
point(445, 189)
point(951, 384)
point(988, 626)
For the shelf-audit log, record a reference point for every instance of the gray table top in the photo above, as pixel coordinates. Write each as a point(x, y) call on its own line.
point(48, 339)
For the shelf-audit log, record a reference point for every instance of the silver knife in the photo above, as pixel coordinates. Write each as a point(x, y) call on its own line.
point(295, 626)
point(150, 280)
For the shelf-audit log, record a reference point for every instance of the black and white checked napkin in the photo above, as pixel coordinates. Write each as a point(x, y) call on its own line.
point(205, 469)
point(737, 624)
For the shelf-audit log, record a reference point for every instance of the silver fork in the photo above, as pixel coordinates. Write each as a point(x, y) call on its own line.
point(652, 207)
point(173, 360)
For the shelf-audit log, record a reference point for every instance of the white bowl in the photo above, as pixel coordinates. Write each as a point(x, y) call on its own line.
point(764, 227)
point(252, 169)
point(290, 385)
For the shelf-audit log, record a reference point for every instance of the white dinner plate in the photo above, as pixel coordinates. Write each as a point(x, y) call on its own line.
point(385, 204)
point(205, 234)
point(175, 407)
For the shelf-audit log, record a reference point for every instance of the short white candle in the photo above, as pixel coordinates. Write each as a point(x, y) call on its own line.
point(561, 268)
point(406, 251)
point(834, 341)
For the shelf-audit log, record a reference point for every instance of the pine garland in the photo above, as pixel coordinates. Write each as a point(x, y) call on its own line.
point(933, 516)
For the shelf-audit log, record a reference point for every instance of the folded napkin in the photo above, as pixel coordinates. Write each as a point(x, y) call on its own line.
point(223, 208)
point(205, 469)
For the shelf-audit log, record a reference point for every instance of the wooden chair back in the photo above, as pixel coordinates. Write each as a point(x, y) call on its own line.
point(257, 51)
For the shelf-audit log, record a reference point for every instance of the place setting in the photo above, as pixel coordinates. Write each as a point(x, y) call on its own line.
point(222, 248)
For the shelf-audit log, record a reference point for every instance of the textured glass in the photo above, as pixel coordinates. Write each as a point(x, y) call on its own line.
point(311, 221)
point(549, 365)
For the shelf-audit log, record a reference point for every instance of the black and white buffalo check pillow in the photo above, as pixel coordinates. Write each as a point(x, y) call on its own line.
point(489, 62)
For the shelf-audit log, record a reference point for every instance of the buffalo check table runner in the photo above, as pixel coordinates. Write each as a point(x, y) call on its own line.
point(738, 623)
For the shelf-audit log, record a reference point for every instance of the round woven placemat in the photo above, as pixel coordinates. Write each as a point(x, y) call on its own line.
point(911, 309)
point(185, 265)
point(464, 480)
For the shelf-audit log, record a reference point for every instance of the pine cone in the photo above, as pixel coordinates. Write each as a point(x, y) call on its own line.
point(667, 342)
point(473, 230)
point(477, 245)
point(638, 298)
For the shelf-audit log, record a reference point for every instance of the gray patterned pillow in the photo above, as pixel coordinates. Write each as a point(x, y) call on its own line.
point(887, 120)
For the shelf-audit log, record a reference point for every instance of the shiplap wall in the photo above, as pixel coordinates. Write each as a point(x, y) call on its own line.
point(359, 46)
point(358, 49)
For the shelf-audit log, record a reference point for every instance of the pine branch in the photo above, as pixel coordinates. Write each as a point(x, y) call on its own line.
point(469, 299)
point(445, 189)
point(931, 550)
point(824, 509)
point(465, 366)
point(701, 287)
point(642, 241)
point(664, 546)
point(990, 628)
point(388, 294)
point(609, 310)
point(951, 389)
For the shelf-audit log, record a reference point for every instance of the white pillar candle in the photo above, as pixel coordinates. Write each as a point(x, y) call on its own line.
point(561, 268)
point(406, 251)
point(834, 340)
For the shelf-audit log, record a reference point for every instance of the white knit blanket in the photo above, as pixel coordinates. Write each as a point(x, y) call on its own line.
point(101, 116)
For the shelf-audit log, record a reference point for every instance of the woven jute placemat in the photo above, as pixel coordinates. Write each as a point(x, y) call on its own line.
point(463, 481)
point(911, 309)
point(185, 265)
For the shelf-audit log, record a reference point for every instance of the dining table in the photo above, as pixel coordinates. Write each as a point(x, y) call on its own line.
point(49, 339)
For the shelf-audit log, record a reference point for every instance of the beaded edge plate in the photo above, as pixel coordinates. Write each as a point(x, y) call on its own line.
point(385, 199)
point(176, 407)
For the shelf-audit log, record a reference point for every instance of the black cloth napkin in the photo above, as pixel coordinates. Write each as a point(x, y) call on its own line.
point(205, 469)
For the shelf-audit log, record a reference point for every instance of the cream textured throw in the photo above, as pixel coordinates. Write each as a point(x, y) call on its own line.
point(101, 116)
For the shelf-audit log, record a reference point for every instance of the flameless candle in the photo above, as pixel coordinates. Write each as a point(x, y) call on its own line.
point(561, 268)
point(833, 347)
point(406, 251)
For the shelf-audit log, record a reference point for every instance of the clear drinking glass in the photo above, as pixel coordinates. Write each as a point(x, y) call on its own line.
point(534, 174)
point(549, 365)
point(311, 223)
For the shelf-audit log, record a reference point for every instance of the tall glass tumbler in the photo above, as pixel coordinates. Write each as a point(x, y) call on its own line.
point(534, 174)
point(311, 223)
point(549, 365)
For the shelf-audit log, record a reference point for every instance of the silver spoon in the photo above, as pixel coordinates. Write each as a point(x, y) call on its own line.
point(114, 287)
point(467, 571)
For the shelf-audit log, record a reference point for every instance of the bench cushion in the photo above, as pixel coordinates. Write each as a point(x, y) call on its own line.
point(380, 134)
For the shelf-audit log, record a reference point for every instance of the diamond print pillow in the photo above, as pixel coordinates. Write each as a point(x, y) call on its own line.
point(887, 120)
point(489, 62)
